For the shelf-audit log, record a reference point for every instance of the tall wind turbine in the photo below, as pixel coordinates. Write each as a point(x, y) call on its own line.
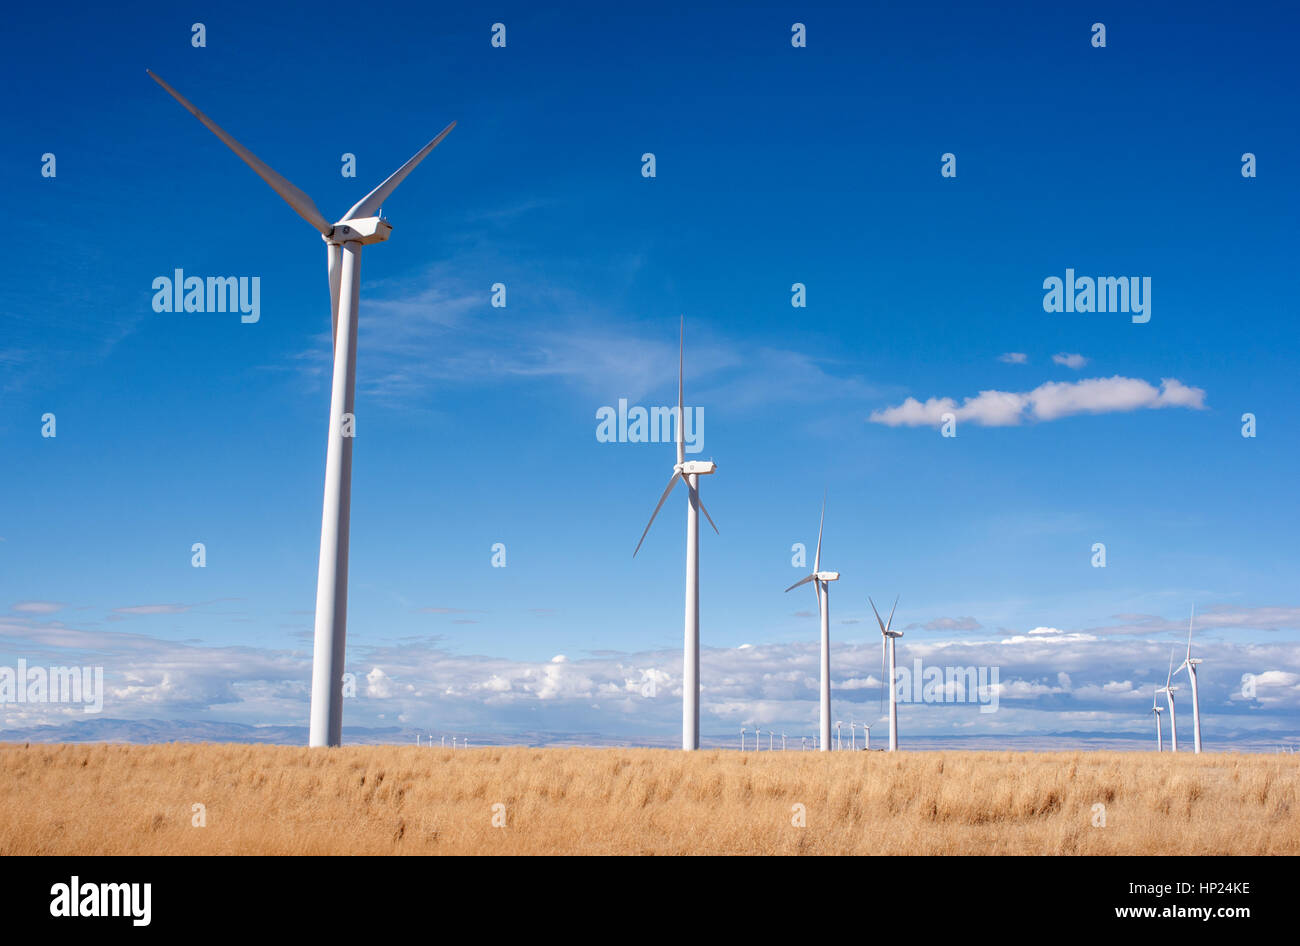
point(689, 471)
point(1155, 709)
point(822, 585)
point(1168, 690)
point(359, 227)
point(1189, 664)
point(888, 637)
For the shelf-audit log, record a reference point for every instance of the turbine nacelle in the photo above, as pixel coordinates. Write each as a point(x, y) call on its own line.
point(363, 230)
point(827, 576)
point(695, 467)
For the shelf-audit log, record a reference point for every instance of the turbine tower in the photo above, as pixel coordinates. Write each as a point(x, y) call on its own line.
point(822, 585)
point(690, 473)
point(1155, 709)
point(867, 740)
point(344, 240)
point(1189, 664)
point(1168, 690)
point(888, 637)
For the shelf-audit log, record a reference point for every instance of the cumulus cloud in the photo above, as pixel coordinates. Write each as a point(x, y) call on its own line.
point(1051, 678)
point(1070, 361)
point(1050, 401)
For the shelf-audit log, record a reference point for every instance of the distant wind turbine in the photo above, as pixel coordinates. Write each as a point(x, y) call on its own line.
point(1189, 664)
point(742, 738)
point(1155, 709)
point(867, 730)
point(888, 637)
point(1168, 690)
point(360, 226)
point(822, 585)
point(690, 473)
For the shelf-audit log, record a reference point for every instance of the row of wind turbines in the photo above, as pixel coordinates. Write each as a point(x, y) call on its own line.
point(363, 225)
point(1189, 664)
point(839, 741)
point(689, 472)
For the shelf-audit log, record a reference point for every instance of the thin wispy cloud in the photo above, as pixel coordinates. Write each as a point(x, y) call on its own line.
point(1014, 358)
point(1070, 361)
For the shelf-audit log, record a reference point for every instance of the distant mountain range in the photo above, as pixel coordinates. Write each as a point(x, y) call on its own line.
point(158, 730)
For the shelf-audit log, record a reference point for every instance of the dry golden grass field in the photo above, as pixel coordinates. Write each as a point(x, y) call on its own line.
point(120, 799)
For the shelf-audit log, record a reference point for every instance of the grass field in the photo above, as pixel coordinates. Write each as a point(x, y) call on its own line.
point(119, 799)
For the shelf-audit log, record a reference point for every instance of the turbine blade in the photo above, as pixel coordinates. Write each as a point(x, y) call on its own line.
point(1170, 676)
point(333, 257)
point(671, 483)
point(1189, 632)
point(878, 621)
point(890, 622)
point(292, 196)
point(681, 410)
point(369, 205)
point(817, 561)
point(705, 511)
point(802, 581)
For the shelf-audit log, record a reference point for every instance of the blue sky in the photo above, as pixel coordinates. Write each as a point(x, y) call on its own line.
point(476, 425)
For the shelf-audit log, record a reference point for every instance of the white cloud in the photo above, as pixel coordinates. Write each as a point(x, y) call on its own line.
point(1014, 358)
point(38, 607)
point(1049, 401)
point(1070, 361)
point(378, 685)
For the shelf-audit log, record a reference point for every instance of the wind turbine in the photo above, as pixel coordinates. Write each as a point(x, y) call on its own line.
point(867, 743)
point(887, 643)
point(853, 736)
point(742, 738)
point(689, 471)
point(344, 240)
point(1155, 709)
point(770, 736)
point(783, 740)
point(1168, 690)
point(822, 585)
point(839, 742)
point(1189, 664)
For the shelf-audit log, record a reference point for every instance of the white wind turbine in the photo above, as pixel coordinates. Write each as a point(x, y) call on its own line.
point(770, 736)
point(867, 737)
point(690, 472)
point(822, 585)
point(853, 736)
point(1155, 709)
point(1189, 664)
point(839, 742)
point(888, 637)
point(1168, 690)
point(742, 738)
point(359, 227)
